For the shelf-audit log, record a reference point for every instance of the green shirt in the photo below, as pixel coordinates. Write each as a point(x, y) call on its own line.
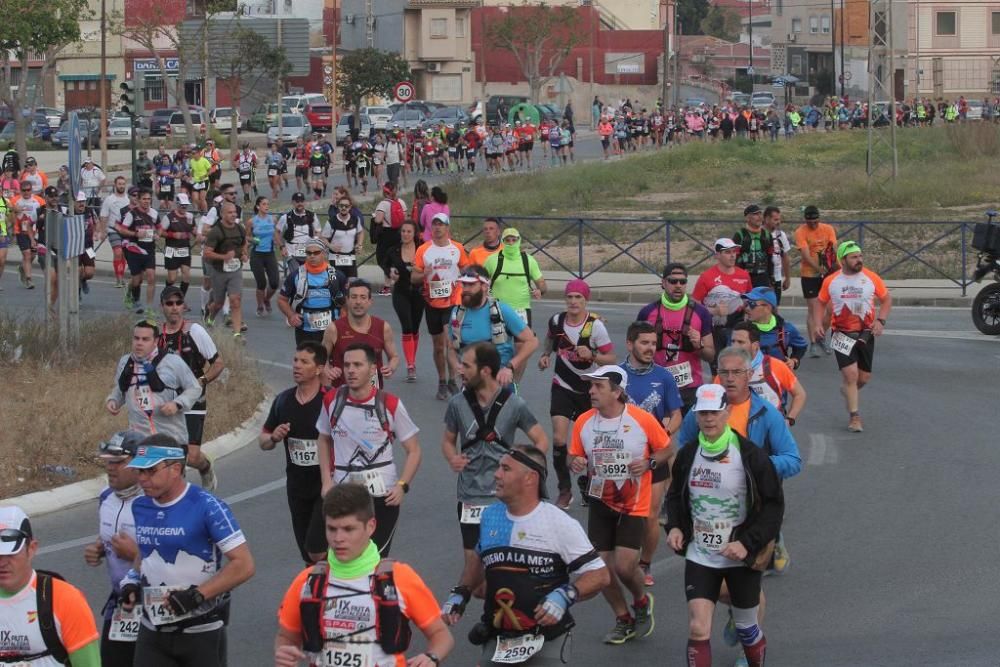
point(199, 169)
point(511, 286)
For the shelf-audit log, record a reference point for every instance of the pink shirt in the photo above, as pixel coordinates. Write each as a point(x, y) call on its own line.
point(431, 209)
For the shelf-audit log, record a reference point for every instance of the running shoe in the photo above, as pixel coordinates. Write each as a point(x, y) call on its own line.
point(267, 307)
point(814, 350)
point(411, 374)
point(140, 311)
point(644, 621)
point(453, 388)
point(647, 576)
point(781, 556)
point(239, 338)
point(825, 344)
point(385, 291)
point(565, 499)
point(855, 425)
point(209, 480)
point(243, 327)
point(129, 301)
point(29, 284)
point(228, 321)
point(21, 276)
point(623, 631)
point(208, 320)
point(260, 311)
point(442, 393)
point(729, 635)
point(85, 287)
point(741, 662)
point(119, 283)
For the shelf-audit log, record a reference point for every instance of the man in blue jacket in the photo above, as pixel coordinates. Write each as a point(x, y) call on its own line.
point(779, 338)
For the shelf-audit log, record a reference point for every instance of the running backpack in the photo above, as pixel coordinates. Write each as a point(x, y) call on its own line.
point(754, 264)
point(290, 226)
point(498, 326)
point(486, 422)
point(499, 268)
point(381, 413)
point(152, 377)
point(54, 646)
point(397, 214)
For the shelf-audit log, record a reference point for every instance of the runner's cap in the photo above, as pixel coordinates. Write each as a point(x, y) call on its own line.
point(316, 241)
point(471, 276)
point(148, 456)
point(765, 294)
point(511, 232)
point(15, 530)
point(724, 244)
point(442, 218)
point(133, 191)
point(169, 291)
point(810, 213)
point(80, 196)
point(578, 286)
point(298, 196)
point(710, 398)
point(122, 444)
point(846, 248)
point(615, 374)
point(183, 199)
point(751, 209)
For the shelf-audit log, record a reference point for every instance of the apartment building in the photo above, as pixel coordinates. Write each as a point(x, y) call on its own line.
point(953, 49)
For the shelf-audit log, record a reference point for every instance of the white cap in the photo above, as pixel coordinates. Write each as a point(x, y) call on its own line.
point(611, 372)
point(80, 196)
point(12, 520)
point(725, 244)
point(442, 218)
point(710, 398)
point(183, 199)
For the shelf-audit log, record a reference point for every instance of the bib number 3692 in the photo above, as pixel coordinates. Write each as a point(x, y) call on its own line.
point(514, 650)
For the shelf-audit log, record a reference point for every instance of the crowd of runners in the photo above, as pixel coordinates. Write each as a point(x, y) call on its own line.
point(681, 433)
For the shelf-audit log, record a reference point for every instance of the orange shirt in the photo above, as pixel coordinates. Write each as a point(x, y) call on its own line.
point(739, 415)
point(441, 266)
point(814, 242)
point(27, 212)
point(357, 613)
point(74, 620)
point(852, 299)
point(482, 253)
point(636, 433)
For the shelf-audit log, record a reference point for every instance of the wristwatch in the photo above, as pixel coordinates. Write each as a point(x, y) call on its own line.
point(791, 421)
point(433, 656)
point(881, 321)
point(406, 487)
point(509, 365)
point(652, 463)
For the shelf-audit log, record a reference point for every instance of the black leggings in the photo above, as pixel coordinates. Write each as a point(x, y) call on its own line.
point(180, 649)
point(264, 266)
point(115, 654)
point(307, 523)
point(385, 525)
point(409, 306)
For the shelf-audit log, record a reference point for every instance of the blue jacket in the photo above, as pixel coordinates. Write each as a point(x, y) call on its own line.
point(795, 344)
point(766, 428)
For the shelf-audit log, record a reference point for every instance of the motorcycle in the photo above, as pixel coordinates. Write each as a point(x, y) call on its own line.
point(986, 305)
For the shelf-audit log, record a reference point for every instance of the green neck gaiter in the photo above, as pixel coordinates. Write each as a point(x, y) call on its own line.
point(670, 305)
point(359, 567)
point(716, 447)
point(769, 325)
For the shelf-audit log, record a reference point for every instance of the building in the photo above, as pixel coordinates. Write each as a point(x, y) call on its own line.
point(802, 45)
point(614, 14)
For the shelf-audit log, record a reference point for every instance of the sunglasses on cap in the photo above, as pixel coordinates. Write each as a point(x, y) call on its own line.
point(112, 448)
point(16, 536)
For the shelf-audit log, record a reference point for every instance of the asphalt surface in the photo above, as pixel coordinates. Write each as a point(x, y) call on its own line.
point(890, 531)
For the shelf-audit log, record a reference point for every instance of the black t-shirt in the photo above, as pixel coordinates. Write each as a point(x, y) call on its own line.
point(302, 479)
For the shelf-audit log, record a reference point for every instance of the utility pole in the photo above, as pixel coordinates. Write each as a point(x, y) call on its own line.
point(370, 23)
point(833, 46)
point(677, 59)
point(103, 87)
point(666, 61)
point(882, 165)
point(750, 69)
point(843, 72)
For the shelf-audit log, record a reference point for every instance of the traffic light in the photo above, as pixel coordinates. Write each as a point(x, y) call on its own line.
point(127, 99)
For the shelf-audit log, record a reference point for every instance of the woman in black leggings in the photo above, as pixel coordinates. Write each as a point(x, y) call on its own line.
point(407, 298)
point(263, 262)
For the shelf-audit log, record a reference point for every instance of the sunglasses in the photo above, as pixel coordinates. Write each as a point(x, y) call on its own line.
point(173, 303)
point(344, 206)
point(313, 253)
point(677, 281)
point(16, 536)
point(155, 469)
point(229, 194)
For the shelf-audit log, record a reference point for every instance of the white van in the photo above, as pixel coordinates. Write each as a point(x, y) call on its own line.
point(298, 103)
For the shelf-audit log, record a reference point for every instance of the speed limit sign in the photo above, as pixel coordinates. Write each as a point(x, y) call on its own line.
point(403, 91)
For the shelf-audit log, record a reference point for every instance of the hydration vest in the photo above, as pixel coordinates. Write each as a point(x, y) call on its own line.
point(182, 344)
point(498, 327)
point(290, 226)
point(486, 422)
point(152, 377)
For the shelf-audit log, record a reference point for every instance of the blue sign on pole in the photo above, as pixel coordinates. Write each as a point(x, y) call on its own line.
point(75, 154)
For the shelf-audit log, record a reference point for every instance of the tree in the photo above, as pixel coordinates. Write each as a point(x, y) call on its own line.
point(33, 30)
point(370, 72)
point(243, 60)
point(539, 36)
point(690, 14)
point(721, 22)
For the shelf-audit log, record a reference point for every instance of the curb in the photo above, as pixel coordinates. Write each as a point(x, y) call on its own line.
point(77, 493)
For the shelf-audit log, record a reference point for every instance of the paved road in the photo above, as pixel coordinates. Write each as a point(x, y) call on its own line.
point(890, 531)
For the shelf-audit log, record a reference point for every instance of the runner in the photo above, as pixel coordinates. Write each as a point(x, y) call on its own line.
point(29, 217)
point(719, 289)
point(116, 542)
point(515, 278)
point(436, 265)
point(357, 427)
point(292, 422)
point(344, 231)
point(756, 247)
point(192, 343)
point(389, 215)
point(6, 231)
point(850, 295)
point(44, 621)
point(226, 248)
point(295, 228)
point(319, 163)
point(301, 154)
point(227, 195)
point(621, 445)
point(245, 164)
point(199, 167)
point(817, 244)
point(781, 278)
point(213, 155)
point(263, 263)
point(311, 296)
point(34, 176)
point(358, 325)
point(85, 260)
point(180, 581)
point(407, 300)
point(779, 338)
point(139, 230)
point(159, 387)
point(481, 425)
point(491, 243)
point(276, 165)
point(355, 608)
point(111, 215)
point(724, 511)
point(772, 380)
point(652, 388)
point(526, 560)
point(581, 343)
point(684, 332)
point(177, 230)
point(483, 318)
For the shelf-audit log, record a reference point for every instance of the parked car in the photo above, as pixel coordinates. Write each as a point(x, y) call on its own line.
point(89, 134)
point(319, 115)
point(408, 119)
point(5, 116)
point(414, 104)
point(176, 127)
point(343, 126)
point(221, 118)
point(159, 120)
point(55, 117)
point(695, 102)
point(120, 132)
point(762, 100)
point(449, 116)
point(37, 129)
point(265, 116)
point(975, 110)
point(298, 103)
point(740, 99)
point(293, 126)
point(380, 116)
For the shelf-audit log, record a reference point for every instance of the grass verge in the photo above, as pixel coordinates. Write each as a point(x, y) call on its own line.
point(53, 414)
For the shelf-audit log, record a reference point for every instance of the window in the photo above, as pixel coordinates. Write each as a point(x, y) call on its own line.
point(945, 23)
point(439, 28)
point(459, 27)
point(153, 89)
point(796, 25)
point(813, 25)
point(797, 64)
point(824, 22)
point(996, 22)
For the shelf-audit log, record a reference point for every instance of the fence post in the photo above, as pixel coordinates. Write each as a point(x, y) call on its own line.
point(667, 225)
point(861, 233)
point(965, 280)
point(579, 245)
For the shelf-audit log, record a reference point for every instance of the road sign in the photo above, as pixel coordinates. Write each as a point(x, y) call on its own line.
point(846, 76)
point(778, 83)
point(750, 71)
point(403, 91)
point(73, 144)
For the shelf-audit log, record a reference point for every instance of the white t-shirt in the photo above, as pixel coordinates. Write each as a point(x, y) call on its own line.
point(781, 247)
point(393, 154)
point(600, 341)
point(111, 209)
point(718, 505)
point(386, 207)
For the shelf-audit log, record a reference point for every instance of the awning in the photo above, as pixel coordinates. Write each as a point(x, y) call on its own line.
point(85, 77)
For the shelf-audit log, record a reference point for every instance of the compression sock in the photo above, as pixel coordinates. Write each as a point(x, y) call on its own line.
point(119, 265)
point(184, 288)
point(699, 653)
point(559, 458)
point(755, 654)
point(135, 290)
point(409, 350)
point(750, 634)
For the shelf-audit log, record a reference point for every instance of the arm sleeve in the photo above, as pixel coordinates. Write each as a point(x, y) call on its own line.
point(76, 622)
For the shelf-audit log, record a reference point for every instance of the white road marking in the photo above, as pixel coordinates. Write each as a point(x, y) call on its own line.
point(942, 334)
point(231, 500)
point(273, 363)
point(817, 449)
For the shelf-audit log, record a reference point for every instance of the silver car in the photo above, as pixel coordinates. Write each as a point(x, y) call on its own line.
point(293, 126)
point(408, 119)
point(380, 116)
point(343, 131)
point(120, 131)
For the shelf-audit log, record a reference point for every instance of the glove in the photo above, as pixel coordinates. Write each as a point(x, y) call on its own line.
point(458, 598)
point(558, 601)
point(186, 601)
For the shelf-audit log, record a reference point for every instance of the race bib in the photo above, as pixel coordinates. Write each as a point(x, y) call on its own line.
point(472, 514)
point(440, 289)
point(125, 624)
point(200, 186)
point(341, 654)
point(146, 234)
point(302, 452)
point(514, 650)
point(842, 343)
point(343, 260)
point(317, 170)
point(299, 252)
point(272, 172)
point(612, 464)
point(170, 252)
point(232, 265)
point(319, 321)
point(154, 601)
point(682, 374)
point(370, 479)
point(378, 160)
point(91, 253)
point(362, 164)
point(166, 187)
point(144, 398)
point(712, 535)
